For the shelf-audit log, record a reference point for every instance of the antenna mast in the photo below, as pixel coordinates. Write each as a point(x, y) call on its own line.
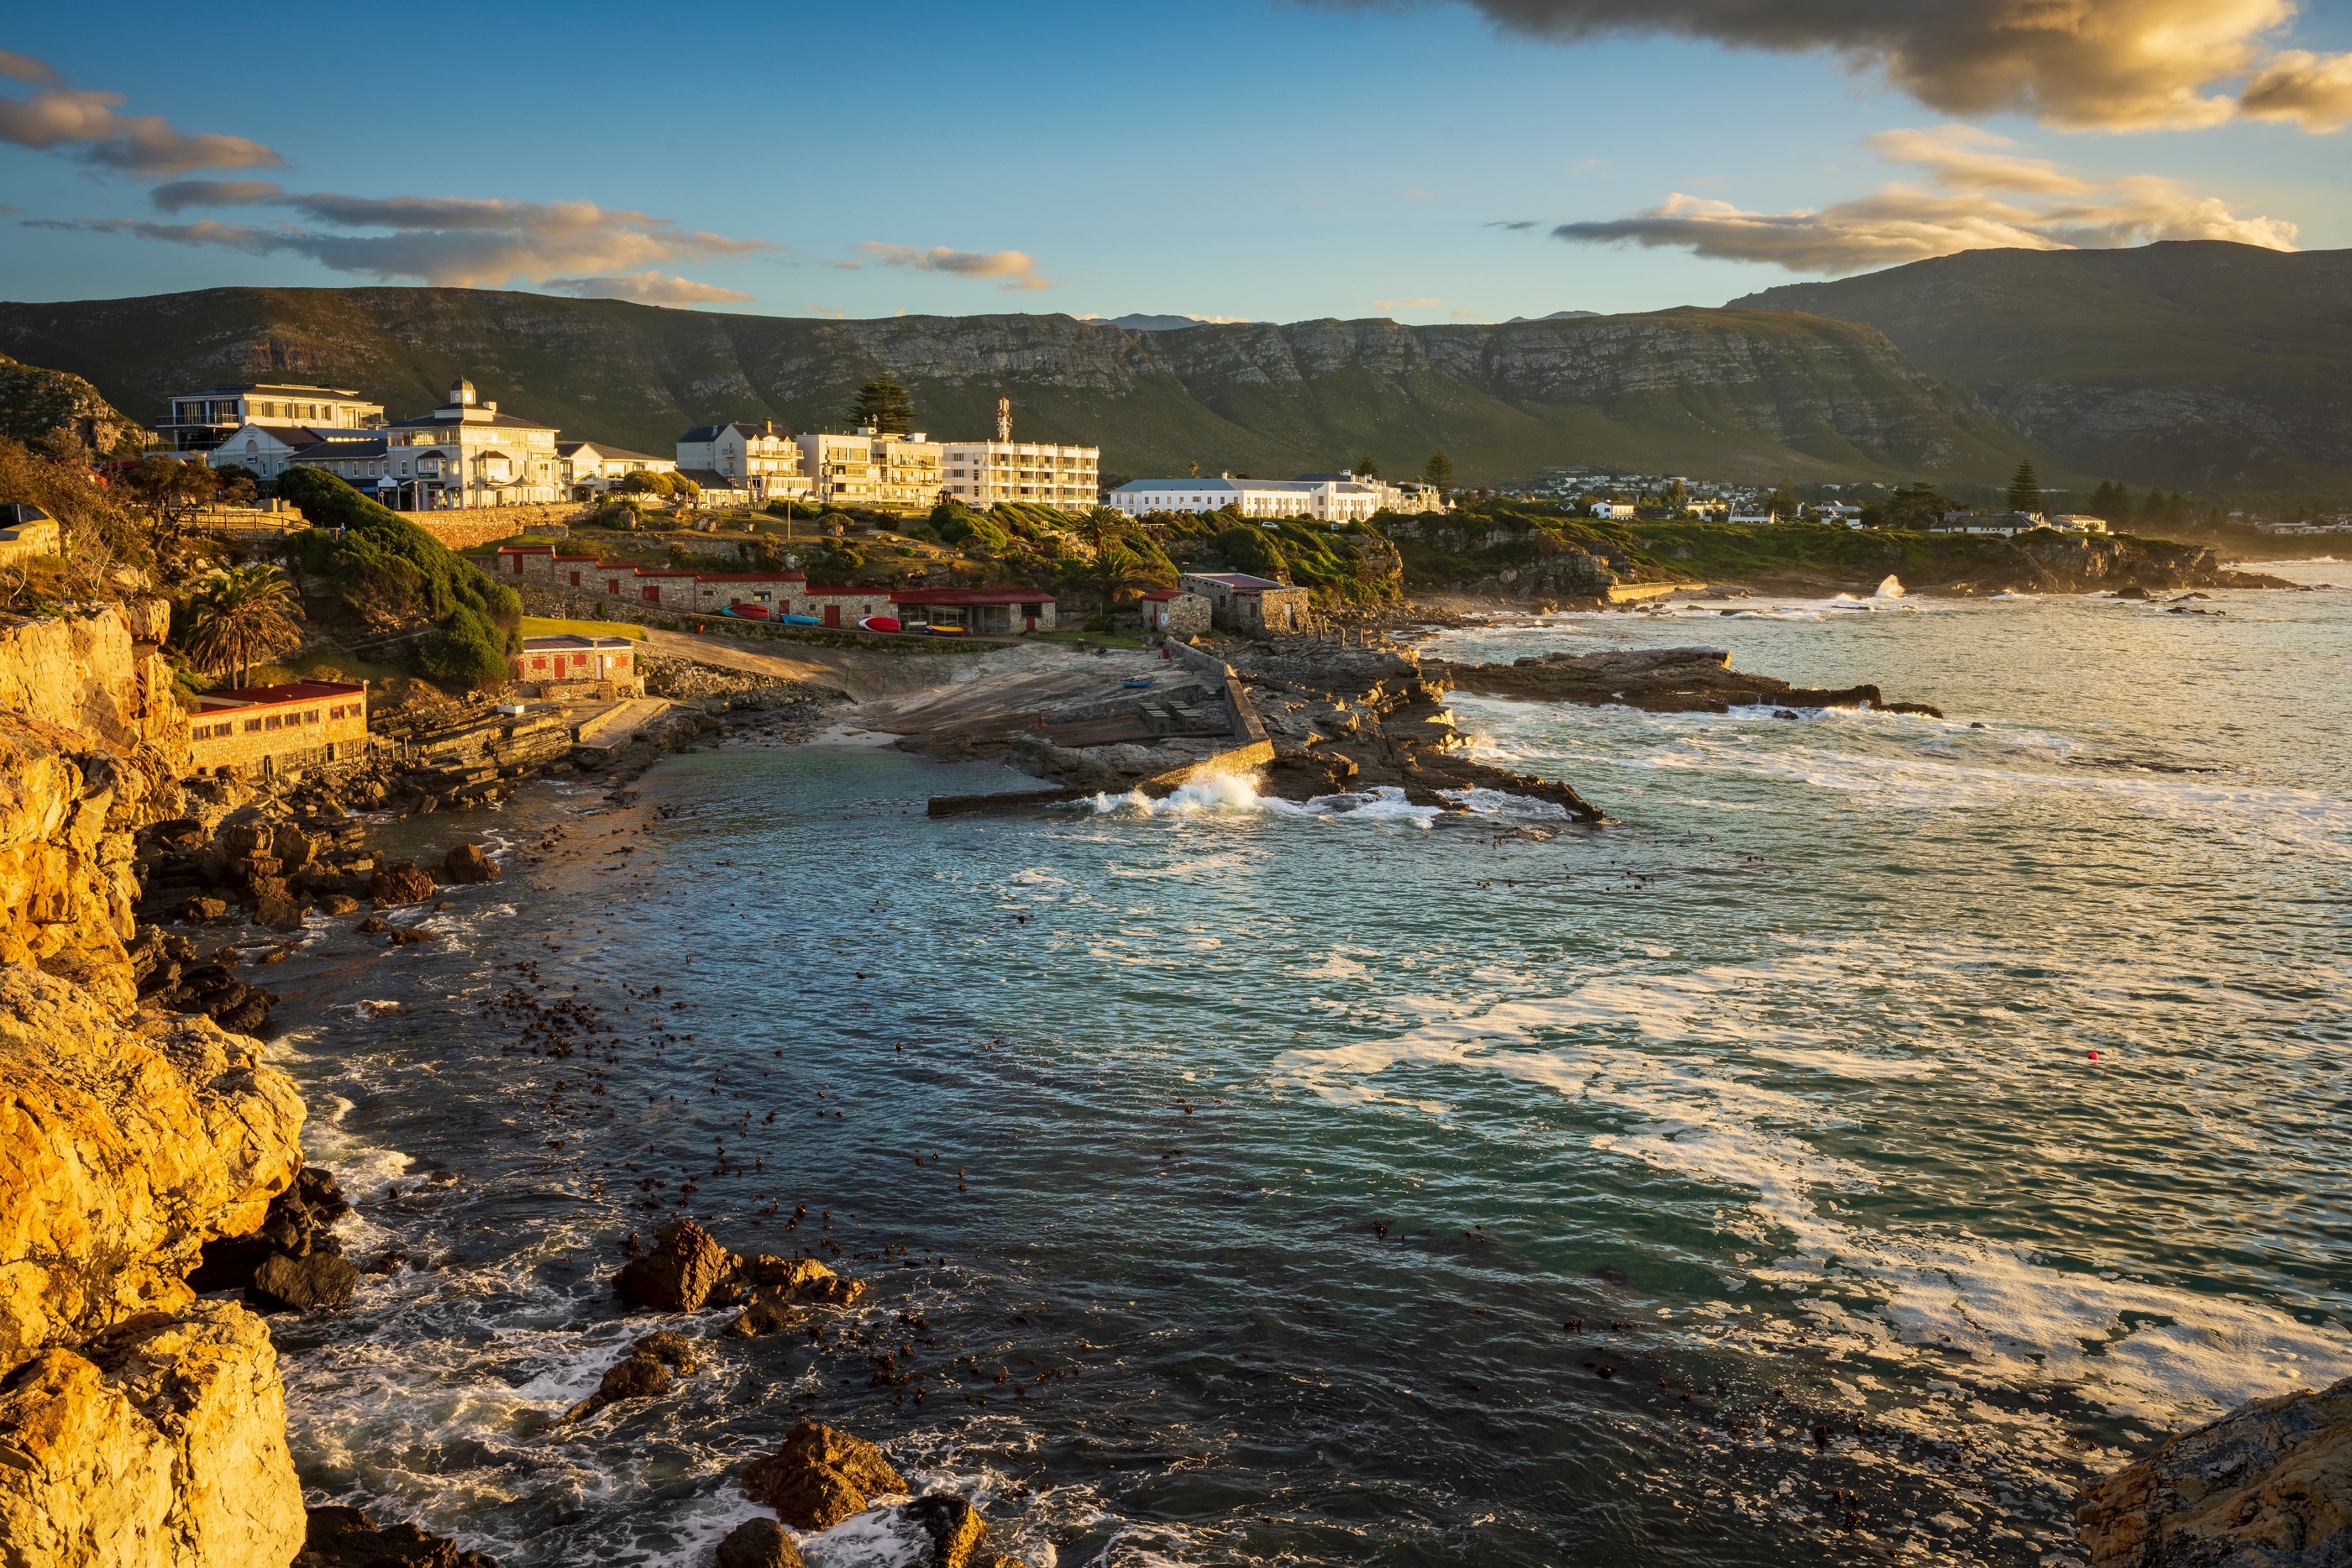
point(1003, 419)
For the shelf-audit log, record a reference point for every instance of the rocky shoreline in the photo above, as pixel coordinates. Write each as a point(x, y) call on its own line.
point(157, 1209)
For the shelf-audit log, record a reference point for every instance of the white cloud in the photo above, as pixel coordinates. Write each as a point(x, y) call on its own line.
point(2297, 85)
point(648, 287)
point(85, 123)
point(1987, 198)
point(1016, 266)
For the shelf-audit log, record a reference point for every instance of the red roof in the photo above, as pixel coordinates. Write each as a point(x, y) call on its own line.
point(580, 558)
point(971, 596)
point(751, 576)
point(270, 697)
point(1163, 595)
point(871, 592)
point(658, 570)
point(526, 549)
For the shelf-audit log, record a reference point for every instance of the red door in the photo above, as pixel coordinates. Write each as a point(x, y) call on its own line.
point(832, 614)
point(651, 595)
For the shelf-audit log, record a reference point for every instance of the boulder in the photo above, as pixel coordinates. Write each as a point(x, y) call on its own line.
point(321, 1280)
point(821, 1477)
point(767, 1314)
point(759, 1543)
point(400, 882)
point(467, 863)
point(281, 913)
point(346, 1538)
point(678, 1275)
point(2267, 1486)
point(161, 1443)
point(373, 925)
point(936, 1531)
point(201, 908)
point(339, 903)
point(647, 1371)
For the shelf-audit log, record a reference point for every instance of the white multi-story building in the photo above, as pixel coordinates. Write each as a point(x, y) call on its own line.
point(840, 469)
point(1328, 501)
point(1616, 511)
point(203, 421)
point(758, 458)
point(981, 472)
point(1410, 495)
point(466, 454)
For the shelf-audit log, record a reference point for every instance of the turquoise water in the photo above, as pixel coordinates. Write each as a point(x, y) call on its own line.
point(1878, 1127)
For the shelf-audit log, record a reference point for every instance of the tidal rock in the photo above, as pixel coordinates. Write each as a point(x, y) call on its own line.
point(202, 908)
point(321, 1281)
point(339, 903)
point(821, 1477)
point(281, 913)
point(346, 1538)
point(940, 1530)
point(467, 863)
point(759, 1543)
point(373, 925)
point(795, 1280)
point(767, 1314)
point(678, 1275)
point(160, 1445)
point(2267, 1486)
point(652, 1364)
point(400, 882)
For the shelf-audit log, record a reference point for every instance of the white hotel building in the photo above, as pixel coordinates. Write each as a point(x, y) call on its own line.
point(1325, 500)
point(981, 472)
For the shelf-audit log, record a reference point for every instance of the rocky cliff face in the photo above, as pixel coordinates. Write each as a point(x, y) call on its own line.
point(35, 402)
point(138, 1425)
point(1757, 393)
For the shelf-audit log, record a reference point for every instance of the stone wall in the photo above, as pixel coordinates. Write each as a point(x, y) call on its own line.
point(466, 529)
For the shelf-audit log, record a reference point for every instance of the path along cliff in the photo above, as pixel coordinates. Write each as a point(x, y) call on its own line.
point(138, 1425)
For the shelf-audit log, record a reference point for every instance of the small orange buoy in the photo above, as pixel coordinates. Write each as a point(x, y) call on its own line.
point(2095, 1056)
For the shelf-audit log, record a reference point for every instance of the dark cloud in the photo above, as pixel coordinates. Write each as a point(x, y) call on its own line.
point(2114, 64)
point(182, 195)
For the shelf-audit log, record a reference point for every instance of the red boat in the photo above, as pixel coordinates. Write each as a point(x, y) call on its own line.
point(749, 612)
point(878, 623)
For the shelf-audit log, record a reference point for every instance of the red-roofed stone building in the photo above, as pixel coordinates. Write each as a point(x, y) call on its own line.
point(1175, 613)
point(993, 611)
point(262, 729)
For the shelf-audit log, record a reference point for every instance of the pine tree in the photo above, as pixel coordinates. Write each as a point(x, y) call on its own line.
point(1439, 471)
point(886, 405)
point(1366, 468)
point(2025, 489)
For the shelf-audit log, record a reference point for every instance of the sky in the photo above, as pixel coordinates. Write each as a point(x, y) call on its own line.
point(1428, 161)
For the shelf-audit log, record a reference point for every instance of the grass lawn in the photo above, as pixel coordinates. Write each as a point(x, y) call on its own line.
point(539, 626)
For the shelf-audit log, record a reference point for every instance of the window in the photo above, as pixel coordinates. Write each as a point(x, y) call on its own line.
point(538, 663)
point(578, 659)
point(251, 726)
point(275, 721)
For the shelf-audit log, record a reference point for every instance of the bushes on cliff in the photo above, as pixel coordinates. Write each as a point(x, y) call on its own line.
point(1249, 549)
point(467, 651)
point(387, 569)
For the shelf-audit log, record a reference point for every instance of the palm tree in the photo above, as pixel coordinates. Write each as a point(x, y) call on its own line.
point(242, 616)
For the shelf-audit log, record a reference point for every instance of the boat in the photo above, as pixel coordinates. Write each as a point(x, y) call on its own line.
point(747, 612)
point(879, 624)
point(798, 621)
point(937, 630)
point(1138, 683)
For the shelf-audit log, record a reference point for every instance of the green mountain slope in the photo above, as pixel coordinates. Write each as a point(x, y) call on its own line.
point(2196, 364)
point(36, 402)
point(1733, 393)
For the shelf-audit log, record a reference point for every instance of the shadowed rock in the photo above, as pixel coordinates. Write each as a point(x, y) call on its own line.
point(467, 863)
point(759, 1543)
point(400, 882)
point(322, 1280)
point(678, 1275)
point(346, 1538)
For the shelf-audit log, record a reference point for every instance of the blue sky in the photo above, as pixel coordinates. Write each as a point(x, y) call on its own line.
point(1228, 158)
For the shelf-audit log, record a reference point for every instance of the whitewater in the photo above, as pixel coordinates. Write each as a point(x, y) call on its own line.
point(1881, 1124)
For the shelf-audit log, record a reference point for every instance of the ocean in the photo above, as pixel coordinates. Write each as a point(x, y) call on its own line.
point(1879, 1127)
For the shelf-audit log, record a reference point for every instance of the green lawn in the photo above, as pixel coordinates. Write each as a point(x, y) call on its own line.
point(539, 626)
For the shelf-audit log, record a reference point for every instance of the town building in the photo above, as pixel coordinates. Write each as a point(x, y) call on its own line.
point(774, 592)
point(26, 531)
point(1615, 511)
point(591, 467)
point(1176, 613)
point(907, 472)
point(1332, 500)
point(466, 454)
point(980, 474)
point(757, 458)
point(1002, 611)
point(590, 661)
point(2078, 523)
point(1836, 512)
point(262, 729)
point(840, 469)
point(683, 589)
point(2000, 523)
point(717, 490)
point(201, 421)
point(1239, 602)
point(1748, 518)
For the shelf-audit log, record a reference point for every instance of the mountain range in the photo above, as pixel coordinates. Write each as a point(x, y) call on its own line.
point(1761, 394)
point(2196, 364)
point(2200, 365)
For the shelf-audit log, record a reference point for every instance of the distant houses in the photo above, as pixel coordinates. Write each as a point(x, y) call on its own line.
point(1327, 499)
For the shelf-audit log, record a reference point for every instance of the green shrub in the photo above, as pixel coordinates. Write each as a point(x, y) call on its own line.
point(467, 651)
point(1247, 548)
